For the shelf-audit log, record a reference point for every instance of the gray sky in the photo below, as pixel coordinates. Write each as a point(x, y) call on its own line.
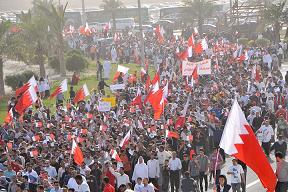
point(18, 5)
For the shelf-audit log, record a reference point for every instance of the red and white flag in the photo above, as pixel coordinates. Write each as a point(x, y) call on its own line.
point(138, 99)
point(143, 72)
point(81, 94)
point(9, 117)
point(63, 87)
point(191, 45)
point(158, 101)
point(153, 91)
point(181, 119)
point(120, 69)
point(238, 140)
point(195, 75)
point(28, 98)
point(140, 124)
point(34, 153)
point(114, 155)
point(77, 153)
point(183, 55)
point(201, 46)
point(159, 31)
point(87, 30)
point(171, 134)
point(256, 73)
point(36, 138)
point(125, 140)
point(31, 83)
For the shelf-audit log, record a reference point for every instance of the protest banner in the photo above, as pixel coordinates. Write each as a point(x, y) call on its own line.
point(104, 106)
point(117, 87)
point(204, 67)
point(111, 100)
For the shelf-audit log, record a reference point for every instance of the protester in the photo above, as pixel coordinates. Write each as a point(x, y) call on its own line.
point(237, 176)
point(281, 173)
point(153, 130)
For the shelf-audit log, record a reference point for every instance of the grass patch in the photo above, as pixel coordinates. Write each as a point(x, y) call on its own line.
point(90, 80)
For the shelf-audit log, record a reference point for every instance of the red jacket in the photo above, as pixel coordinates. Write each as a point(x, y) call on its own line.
point(108, 188)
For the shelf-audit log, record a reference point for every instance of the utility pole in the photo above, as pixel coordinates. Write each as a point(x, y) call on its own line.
point(83, 13)
point(142, 53)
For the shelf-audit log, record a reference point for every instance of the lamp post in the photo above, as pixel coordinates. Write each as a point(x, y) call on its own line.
point(83, 13)
point(142, 53)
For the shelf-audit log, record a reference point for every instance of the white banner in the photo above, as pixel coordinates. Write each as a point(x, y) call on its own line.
point(104, 106)
point(204, 67)
point(117, 87)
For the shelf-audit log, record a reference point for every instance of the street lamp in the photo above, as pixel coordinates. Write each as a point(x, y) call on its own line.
point(142, 54)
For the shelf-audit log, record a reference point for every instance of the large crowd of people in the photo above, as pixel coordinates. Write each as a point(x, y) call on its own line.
point(36, 146)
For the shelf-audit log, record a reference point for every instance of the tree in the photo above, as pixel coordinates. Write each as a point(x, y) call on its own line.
point(112, 5)
point(201, 9)
point(35, 37)
point(273, 15)
point(8, 49)
point(54, 17)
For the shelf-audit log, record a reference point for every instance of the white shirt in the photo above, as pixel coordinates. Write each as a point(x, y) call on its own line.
point(237, 170)
point(83, 170)
point(83, 187)
point(175, 164)
point(147, 188)
point(72, 184)
point(51, 171)
point(140, 170)
point(32, 176)
point(120, 179)
point(162, 156)
point(137, 187)
point(153, 168)
point(266, 132)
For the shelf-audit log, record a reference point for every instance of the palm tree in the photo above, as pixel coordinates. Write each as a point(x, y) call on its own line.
point(34, 35)
point(273, 15)
point(8, 48)
point(201, 9)
point(112, 5)
point(54, 17)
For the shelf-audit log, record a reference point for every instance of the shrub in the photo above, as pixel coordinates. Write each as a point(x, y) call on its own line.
point(243, 41)
point(251, 43)
point(262, 42)
point(14, 80)
point(54, 63)
point(75, 61)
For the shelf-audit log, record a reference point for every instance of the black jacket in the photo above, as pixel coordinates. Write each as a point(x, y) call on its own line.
point(226, 188)
point(189, 185)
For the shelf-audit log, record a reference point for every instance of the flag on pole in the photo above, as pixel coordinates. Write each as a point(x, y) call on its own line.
point(63, 87)
point(125, 140)
point(77, 153)
point(81, 94)
point(238, 140)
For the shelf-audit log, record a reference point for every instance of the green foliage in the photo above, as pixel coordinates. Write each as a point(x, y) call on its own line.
point(14, 80)
point(111, 4)
point(274, 12)
point(243, 41)
point(75, 61)
point(54, 63)
point(262, 42)
point(251, 43)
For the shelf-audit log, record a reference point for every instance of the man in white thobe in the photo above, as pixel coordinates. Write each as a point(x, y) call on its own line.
point(113, 55)
point(140, 170)
point(153, 170)
point(107, 68)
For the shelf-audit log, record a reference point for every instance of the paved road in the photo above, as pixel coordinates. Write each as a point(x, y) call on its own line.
point(253, 183)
